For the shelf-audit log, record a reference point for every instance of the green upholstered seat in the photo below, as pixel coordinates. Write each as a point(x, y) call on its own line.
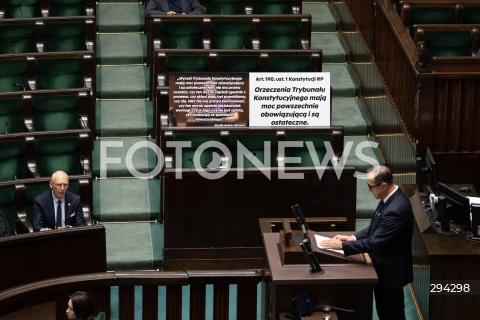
point(100, 316)
point(317, 139)
point(470, 15)
point(12, 159)
point(187, 63)
point(255, 143)
point(7, 206)
point(225, 7)
point(66, 8)
point(448, 43)
point(280, 34)
point(231, 35)
point(182, 34)
point(11, 116)
point(31, 191)
point(17, 38)
point(292, 63)
point(13, 71)
point(53, 154)
point(22, 8)
point(52, 113)
point(430, 15)
point(240, 63)
point(59, 73)
point(196, 140)
point(64, 36)
point(272, 7)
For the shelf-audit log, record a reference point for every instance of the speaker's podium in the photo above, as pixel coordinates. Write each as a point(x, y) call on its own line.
point(347, 282)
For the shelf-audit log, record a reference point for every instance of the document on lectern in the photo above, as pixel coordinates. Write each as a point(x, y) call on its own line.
point(319, 239)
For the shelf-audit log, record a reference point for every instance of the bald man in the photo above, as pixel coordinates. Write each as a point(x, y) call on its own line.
point(58, 208)
point(388, 240)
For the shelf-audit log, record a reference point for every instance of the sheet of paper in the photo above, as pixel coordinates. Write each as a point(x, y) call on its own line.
point(319, 239)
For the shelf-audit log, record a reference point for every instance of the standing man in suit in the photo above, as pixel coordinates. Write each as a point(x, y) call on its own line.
point(173, 7)
point(388, 241)
point(58, 208)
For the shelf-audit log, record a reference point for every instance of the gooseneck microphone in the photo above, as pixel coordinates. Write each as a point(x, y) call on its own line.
point(15, 175)
point(19, 85)
point(14, 45)
point(219, 6)
point(251, 158)
point(83, 122)
point(191, 161)
point(6, 125)
point(339, 158)
point(20, 7)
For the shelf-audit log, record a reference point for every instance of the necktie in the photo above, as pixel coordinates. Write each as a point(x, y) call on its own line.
point(59, 214)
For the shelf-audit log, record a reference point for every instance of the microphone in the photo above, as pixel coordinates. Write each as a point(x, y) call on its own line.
point(83, 122)
point(327, 309)
point(244, 38)
point(82, 158)
point(339, 158)
point(190, 159)
point(20, 7)
point(14, 45)
point(312, 259)
point(6, 125)
point(15, 175)
point(302, 223)
point(176, 46)
point(253, 155)
point(219, 6)
point(18, 85)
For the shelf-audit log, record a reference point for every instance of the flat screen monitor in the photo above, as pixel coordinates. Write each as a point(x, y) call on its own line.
point(453, 206)
point(431, 171)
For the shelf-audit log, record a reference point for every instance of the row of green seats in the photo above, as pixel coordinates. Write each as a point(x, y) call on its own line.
point(45, 8)
point(25, 157)
point(254, 140)
point(47, 35)
point(45, 71)
point(51, 112)
point(255, 7)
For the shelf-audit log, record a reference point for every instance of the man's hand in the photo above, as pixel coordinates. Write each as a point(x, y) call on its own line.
point(45, 229)
point(331, 244)
point(171, 12)
point(344, 238)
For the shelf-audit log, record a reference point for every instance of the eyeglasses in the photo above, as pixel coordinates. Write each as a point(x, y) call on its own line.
point(371, 187)
point(59, 185)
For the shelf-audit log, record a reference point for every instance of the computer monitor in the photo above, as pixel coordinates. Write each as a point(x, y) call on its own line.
point(452, 206)
point(431, 171)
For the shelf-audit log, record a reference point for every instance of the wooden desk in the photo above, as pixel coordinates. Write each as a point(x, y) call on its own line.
point(438, 257)
point(43, 255)
point(313, 316)
point(347, 285)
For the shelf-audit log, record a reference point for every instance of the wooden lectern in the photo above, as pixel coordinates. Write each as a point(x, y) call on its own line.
point(347, 282)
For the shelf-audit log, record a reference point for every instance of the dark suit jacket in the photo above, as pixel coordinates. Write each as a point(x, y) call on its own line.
point(388, 240)
point(161, 7)
point(44, 212)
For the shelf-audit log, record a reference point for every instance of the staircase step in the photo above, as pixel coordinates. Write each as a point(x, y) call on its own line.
point(352, 158)
point(120, 17)
point(122, 200)
point(144, 159)
point(323, 18)
point(333, 50)
point(116, 118)
point(342, 81)
point(134, 246)
point(123, 48)
point(350, 114)
point(123, 82)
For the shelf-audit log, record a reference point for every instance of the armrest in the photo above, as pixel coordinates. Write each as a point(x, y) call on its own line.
point(31, 73)
point(21, 222)
point(39, 35)
point(30, 157)
point(90, 34)
point(27, 106)
point(44, 8)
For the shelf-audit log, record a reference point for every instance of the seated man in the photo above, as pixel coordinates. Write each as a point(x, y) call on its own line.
point(173, 7)
point(58, 208)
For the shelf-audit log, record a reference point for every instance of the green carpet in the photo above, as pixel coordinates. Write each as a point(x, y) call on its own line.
point(323, 19)
point(333, 50)
point(112, 200)
point(116, 118)
point(350, 114)
point(144, 159)
point(341, 80)
point(127, 48)
point(367, 153)
point(127, 82)
point(134, 246)
point(120, 17)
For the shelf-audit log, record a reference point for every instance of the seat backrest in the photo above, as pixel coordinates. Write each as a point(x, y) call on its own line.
point(306, 160)
point(66, 8)
point(238, 63)
point(22, 8)
point(7, 205)
point(470, 15)
point(281, 34)
point(59, 73)
point(51, 113)
point(17, 38)
point(185, 63)
point(64, 36)
point(225, 7)
point(196, 140)
point(291, 63)
point(100, 316)
point(231, 34)
point(255, 143)
point(11, 116)
point(53, 154)
point(272, 7)
point(13, 71)
point(182, 34)
point(12, 160)
point(448, 43)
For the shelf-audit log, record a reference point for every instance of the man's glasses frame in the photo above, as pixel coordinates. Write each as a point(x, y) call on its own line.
point(59, 185)
point(371, 187)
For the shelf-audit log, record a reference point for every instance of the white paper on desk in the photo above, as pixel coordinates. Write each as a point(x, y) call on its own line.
point(473, 200)
point(319, 239)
